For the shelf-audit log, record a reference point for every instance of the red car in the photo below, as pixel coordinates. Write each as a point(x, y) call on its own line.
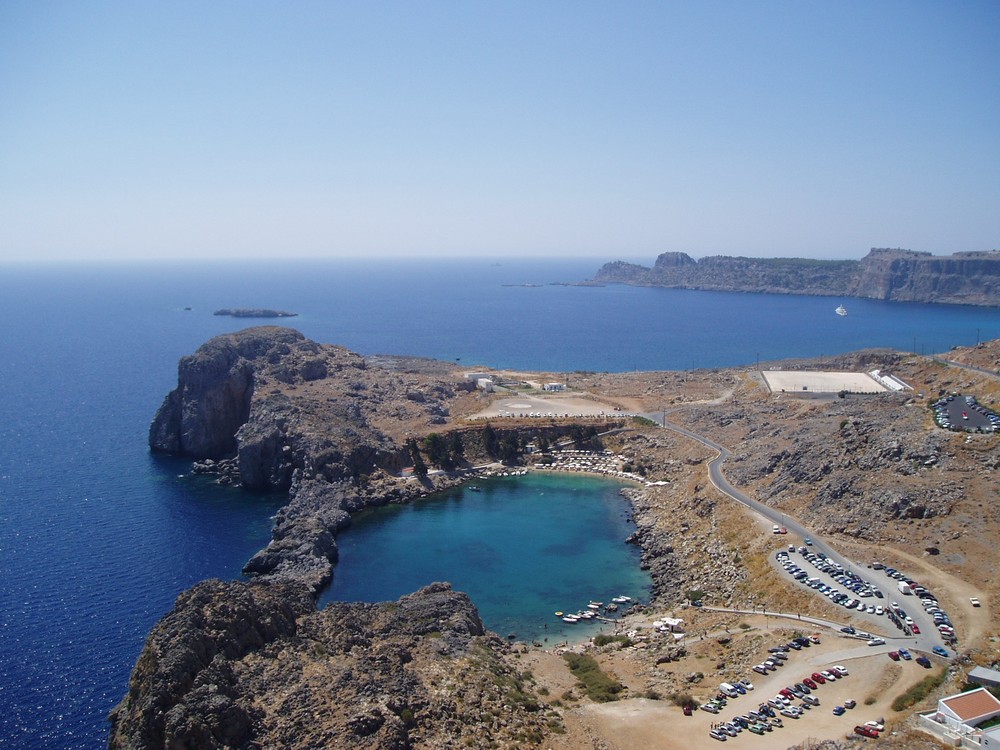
point(687, 709)
point(818, 678)
point(894, 655)
point(809, 683)
point(915, 629)
point(866, 731)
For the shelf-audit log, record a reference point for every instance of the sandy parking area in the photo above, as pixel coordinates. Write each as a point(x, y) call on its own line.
point(559, 405)
point(640, 722)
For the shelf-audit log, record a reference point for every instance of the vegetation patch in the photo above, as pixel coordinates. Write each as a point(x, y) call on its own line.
point(919, 691)
point(604, 639)
point(597, 685)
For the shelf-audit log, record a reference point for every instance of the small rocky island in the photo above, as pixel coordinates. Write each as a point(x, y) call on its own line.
point(254, 312)
point(971, 278)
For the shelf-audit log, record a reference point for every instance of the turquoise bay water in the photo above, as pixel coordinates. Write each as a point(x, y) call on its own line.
point(522, 547)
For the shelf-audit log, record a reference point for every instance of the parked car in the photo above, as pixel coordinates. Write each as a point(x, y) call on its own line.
point(687, 709)
point(939, 651)
point(924, 662)
point(878, 726)
point(817, 677)
point(865, 731)
point(876, 641)
point(839, 711)
point(850, 703)
point(808, 682)
point(715, 734)
point(905, 654)
point(894, 655)
point(915, 629)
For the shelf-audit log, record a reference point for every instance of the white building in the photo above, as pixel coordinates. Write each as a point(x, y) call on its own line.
point(964, 711)
point(554, 387)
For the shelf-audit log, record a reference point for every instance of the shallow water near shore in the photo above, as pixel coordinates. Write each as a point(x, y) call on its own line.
point(522, 547)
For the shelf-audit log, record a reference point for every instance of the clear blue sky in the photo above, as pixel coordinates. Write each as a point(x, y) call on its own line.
point(609, 130)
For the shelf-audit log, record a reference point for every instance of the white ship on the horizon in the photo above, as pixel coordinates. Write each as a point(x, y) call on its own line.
point(841, 310)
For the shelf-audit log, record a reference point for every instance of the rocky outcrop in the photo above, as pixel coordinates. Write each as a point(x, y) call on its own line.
point(182, 692)
point(254, 666)
point(215, 387)
point(886, 274)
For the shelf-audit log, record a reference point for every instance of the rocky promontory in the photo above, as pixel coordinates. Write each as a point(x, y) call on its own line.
point(885, 273)
point(253, 665)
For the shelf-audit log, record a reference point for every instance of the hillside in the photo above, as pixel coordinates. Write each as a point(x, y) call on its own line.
point(255, 665)
point(884, 274)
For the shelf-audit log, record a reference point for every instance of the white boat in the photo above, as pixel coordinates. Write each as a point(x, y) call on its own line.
point(841, 310)
point(571, 618)
point(622, 599)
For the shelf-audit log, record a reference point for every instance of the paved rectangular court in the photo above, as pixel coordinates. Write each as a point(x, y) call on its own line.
point(820, 381)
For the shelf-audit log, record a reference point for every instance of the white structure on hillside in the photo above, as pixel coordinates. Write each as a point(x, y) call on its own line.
point(890, 381)
point(958, 716)
point(554, 387)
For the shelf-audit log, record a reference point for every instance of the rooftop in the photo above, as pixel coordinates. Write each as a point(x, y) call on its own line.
point(971, 706)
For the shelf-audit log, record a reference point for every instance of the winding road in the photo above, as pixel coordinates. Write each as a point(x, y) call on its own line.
point(928, 637)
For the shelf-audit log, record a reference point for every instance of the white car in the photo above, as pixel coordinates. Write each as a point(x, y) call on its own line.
point(876, 725)
point(876, 641)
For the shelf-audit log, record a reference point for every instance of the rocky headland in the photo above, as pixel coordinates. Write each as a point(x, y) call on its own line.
point(254, 664)
point(971, 278)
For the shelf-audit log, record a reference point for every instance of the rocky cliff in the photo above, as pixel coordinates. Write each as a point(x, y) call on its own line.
point(886, 274)
point(238, 665)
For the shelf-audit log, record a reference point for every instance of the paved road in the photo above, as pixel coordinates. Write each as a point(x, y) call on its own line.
point(928, 637)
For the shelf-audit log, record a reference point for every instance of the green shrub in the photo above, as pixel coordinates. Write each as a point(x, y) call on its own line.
point(604, 640)
point(595, 683)
point(919, 691)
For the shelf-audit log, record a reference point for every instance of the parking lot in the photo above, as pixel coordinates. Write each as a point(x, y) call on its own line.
point(873, 600)
point(964, 412)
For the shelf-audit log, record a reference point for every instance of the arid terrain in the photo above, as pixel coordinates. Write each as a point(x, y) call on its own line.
point(873, 476)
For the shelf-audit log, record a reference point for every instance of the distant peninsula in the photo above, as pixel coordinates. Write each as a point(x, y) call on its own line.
point(254, 312)
point(970, 278)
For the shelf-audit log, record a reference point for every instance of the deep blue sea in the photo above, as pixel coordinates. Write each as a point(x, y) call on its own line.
point(97, 537)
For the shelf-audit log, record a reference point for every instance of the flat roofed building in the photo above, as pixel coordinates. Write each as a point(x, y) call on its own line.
point(984, 676)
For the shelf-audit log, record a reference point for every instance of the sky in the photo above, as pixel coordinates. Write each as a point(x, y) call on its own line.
point(192, 130)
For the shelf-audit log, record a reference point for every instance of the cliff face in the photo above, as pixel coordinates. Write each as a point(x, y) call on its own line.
point(214, 391)
point(965, 279)
point(182, 691)
point(238, 665)
point(902, 275)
